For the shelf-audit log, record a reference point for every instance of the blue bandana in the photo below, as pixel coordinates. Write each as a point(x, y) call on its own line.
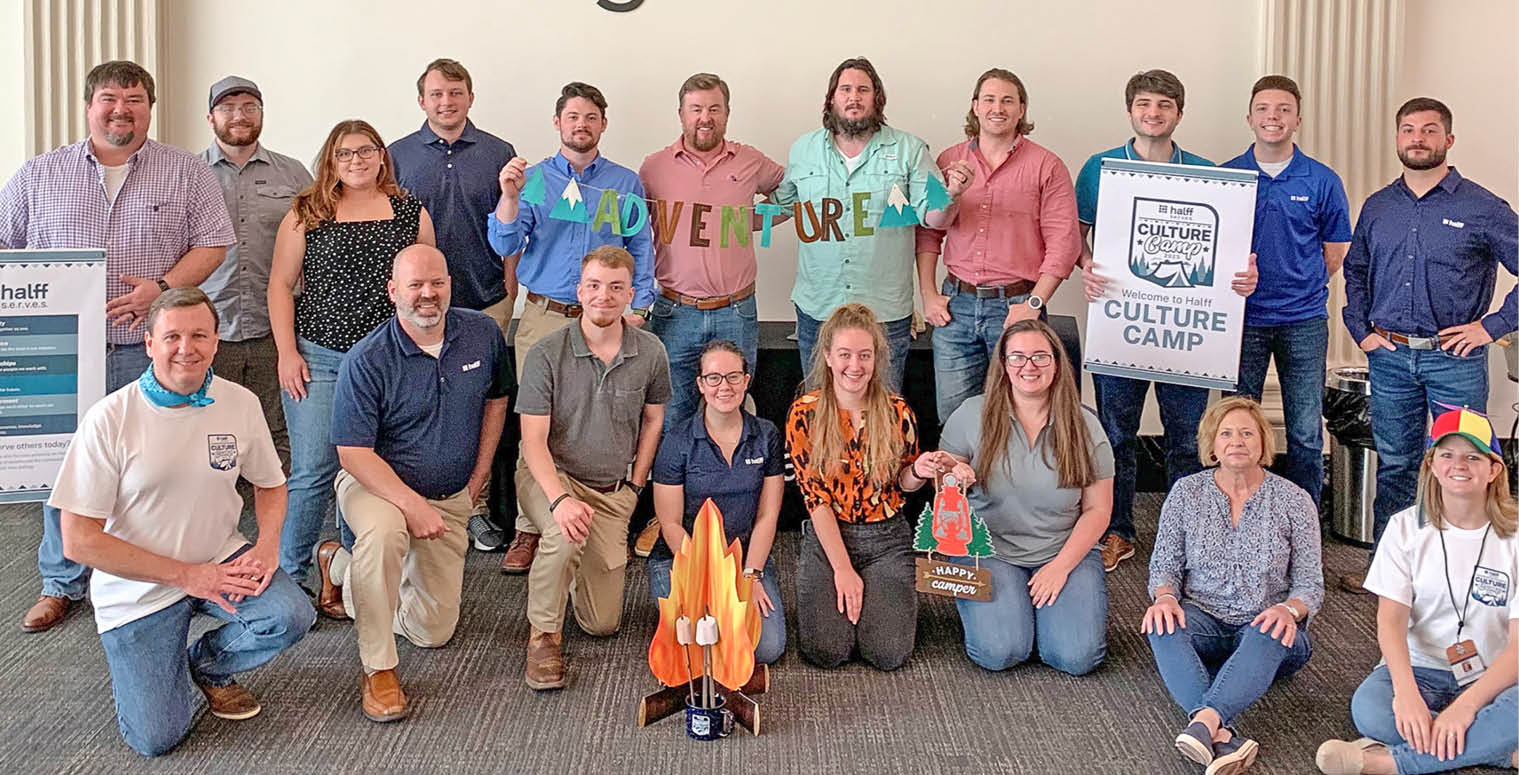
point(162, 396)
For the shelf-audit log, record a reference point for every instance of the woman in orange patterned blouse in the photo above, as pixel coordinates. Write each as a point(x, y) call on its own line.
point(855, 448)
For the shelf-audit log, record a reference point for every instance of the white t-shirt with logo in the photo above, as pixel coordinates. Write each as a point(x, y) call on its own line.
point(164, 480)
point(1410, 569)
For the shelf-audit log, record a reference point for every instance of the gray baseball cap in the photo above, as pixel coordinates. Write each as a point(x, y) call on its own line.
point(230, 85)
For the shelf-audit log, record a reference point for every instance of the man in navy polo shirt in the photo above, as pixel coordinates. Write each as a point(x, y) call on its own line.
point(419, 408)
point(1154, 99)
point(1419, 278)
point(451, 165)
point(1302, 230)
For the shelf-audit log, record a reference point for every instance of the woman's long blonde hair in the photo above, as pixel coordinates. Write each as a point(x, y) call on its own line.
point(1068, 430)
point(318, 203)
point(882, 433)
point(1502, 511)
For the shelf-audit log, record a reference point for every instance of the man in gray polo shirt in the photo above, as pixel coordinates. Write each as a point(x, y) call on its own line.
point(257, 184)
point(592, 400)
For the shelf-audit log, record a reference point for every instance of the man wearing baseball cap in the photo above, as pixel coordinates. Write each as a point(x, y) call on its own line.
point(257, 185)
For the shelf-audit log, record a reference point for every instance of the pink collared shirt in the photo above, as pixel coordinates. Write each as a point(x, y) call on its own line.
point(1015, 222)
point(714, 256)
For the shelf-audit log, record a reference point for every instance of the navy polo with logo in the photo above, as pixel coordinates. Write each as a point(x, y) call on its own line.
point(689, 457)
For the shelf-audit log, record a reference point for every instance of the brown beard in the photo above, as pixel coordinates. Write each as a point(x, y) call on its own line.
point(224, 134)
point(1436, 159)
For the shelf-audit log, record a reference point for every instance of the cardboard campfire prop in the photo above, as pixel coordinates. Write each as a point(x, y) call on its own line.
point(950, 526)
point(703, 649)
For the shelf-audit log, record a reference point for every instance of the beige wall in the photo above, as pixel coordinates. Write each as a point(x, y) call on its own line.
point(12, 86)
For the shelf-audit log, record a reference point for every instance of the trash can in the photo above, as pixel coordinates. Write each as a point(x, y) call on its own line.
point(1352, 455)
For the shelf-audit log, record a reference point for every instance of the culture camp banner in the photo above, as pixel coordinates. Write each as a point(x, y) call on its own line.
point(52, 361)
point(1169, 239)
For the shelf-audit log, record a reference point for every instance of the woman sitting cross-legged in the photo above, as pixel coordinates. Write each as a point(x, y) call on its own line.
point(1043, 474)
point(1444, 696)
point(724, 453)
point(1235, 575)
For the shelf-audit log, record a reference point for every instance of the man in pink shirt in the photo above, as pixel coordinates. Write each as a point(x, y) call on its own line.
point(1011, 238)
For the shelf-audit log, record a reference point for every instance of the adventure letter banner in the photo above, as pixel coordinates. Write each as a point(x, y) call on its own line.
point(52, 361)
point(1170, 238)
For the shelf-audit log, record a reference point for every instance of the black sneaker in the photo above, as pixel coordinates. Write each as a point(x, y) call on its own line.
point(1233, 756)
point(1196, 743)
point(485, 536)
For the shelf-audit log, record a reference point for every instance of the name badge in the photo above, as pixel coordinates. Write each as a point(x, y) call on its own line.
point(1465, 663)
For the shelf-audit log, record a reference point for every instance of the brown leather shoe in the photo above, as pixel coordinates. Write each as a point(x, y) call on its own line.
point(1353, 583)
point(519, 556)
point(644, 546)
point(383, 699)
point(231, 702)
point(545, 660)
point(45, 613)
point(329, 599)
point(1115, 549)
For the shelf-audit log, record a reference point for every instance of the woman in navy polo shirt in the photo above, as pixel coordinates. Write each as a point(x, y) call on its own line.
point(734, 458)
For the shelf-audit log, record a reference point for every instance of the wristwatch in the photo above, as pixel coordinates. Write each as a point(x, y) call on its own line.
point(1035, 302)
point(754, 573)
point(162, 286)
point(643, 313)
point(635, 488)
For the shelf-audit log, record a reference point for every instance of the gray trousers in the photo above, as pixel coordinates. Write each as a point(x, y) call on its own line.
point(881, 552)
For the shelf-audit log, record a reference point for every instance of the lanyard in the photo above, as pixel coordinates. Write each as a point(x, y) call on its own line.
point(1461, 612)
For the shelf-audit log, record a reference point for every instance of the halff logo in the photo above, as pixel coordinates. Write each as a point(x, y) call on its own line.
point(1453, 224)
point(470, 366)
point(32, 292)
point(1173, 243)
point(1296, 198)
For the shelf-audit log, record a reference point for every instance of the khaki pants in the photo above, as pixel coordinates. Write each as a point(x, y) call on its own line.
point(397, 584)
point(501, 312)
point(590, 574)
point(537, 322)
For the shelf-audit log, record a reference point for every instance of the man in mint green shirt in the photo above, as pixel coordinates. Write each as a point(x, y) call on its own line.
point(857, 188)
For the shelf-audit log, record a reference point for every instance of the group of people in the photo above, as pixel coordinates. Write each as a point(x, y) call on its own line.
point(362, 314)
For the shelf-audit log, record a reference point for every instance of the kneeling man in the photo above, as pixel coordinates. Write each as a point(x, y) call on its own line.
point(592, 405)
point(148, 495)
point(419, 408)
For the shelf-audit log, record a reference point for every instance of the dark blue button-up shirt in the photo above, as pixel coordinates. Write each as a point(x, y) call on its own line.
point(1416, 266)
point(422, 414)
point(690, 458)
point(458, 186)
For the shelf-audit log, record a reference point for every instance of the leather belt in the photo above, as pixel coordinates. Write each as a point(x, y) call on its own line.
point(1020, 288)
point(567, 310)
point(707, 302)
point(1412, 342)
point(608, 490)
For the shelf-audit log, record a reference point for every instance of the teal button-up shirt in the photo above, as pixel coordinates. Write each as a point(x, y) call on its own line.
point(852, 258)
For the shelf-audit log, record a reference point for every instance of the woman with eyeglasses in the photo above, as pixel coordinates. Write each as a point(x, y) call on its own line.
point(1444, 696)
point(1235, 577)
point(1043, 474)
point(724, 453)
point(337, 243)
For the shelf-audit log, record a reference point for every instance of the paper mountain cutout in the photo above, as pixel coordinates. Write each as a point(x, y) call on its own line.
point(938, 195)
point(898, 212)
point(571, 205)
point(533, 191)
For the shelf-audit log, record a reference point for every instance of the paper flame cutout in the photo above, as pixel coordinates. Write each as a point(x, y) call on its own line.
point(707, 579)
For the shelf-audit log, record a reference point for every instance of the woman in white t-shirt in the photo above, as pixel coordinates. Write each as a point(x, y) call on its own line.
point(1444, 696)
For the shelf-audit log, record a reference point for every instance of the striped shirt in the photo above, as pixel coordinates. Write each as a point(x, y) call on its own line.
point(169, 204)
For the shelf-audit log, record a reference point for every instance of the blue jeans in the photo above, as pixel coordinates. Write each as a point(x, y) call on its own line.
point(313, 459)
point(1226, 667)
point(152, 674)
point(1299, 350)
point(772, 640)
point(1490, 740)
point(62, 577)
point(1406, 386)
point(898, 338)
point(963, 348)
point(1071, 633)
point(1120, 404)
point(685, 330)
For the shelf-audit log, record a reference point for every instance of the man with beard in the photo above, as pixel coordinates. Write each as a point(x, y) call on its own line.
point(841, 180)
point(257, 185)
point(1419, 279)
point(158, 214)
point(419, 408)
point(592, 405)
point(543, 252)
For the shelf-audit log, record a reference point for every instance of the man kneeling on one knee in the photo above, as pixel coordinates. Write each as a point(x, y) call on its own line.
point(419, 407)
point(592, 402)
point(148, 495)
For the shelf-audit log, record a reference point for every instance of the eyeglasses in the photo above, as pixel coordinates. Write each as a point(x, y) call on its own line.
point(346, 154)
point(250, 109)
point(1040, 360)
point(714, 379)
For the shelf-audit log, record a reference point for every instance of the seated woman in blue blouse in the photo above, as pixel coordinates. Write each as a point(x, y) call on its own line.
point(727, 454)
point(1235, 575)
point(1043, 474)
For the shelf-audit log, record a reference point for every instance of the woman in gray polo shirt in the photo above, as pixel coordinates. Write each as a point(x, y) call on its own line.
point(1043, 471)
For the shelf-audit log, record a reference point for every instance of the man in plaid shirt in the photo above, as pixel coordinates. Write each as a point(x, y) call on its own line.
point(158, 213)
